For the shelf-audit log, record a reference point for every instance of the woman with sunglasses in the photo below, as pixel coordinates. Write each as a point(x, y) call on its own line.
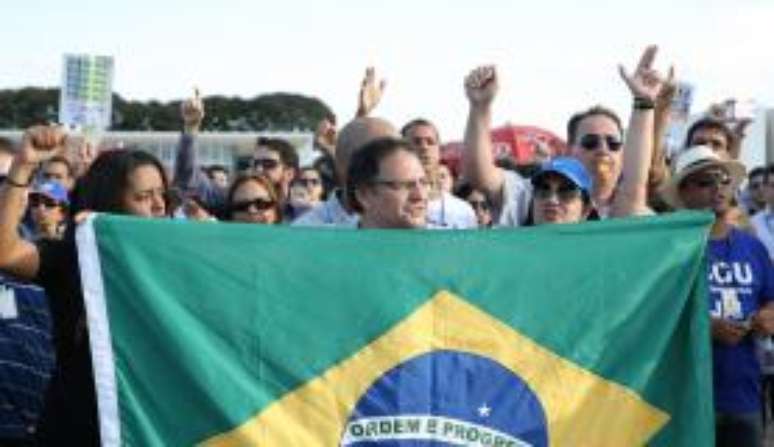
point(122, 181)
point(561, 192)
point(306, 191)
point(478, 201)
point(253, 199)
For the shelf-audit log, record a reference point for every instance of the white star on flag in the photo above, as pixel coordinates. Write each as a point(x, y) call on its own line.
point(484, 411)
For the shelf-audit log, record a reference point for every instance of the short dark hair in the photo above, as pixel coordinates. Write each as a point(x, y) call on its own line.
point(575, 120)
point(404, 131)
point(212, 169)
point(709, 123)
point(364, 165)
point(286, 151)
point(63, 160)
point(757, 172)
point(103, 186)
point(769, 171)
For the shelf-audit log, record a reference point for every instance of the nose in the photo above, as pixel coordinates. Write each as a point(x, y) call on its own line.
point(159, 205)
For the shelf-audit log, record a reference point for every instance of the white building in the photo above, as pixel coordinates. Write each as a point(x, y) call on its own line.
point(222, 148)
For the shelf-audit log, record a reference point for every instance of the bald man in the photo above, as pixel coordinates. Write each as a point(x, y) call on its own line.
point(336, 211)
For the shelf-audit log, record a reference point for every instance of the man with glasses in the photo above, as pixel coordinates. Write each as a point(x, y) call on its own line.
point(388, 186)
point(336, 210)
point(741, 290)
point(277, 160)
point(594, 137)
point(445, 211)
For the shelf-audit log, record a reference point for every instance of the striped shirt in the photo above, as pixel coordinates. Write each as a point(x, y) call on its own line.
point(26, 357)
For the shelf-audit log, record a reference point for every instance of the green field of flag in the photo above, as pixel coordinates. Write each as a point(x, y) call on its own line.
point(214, 334)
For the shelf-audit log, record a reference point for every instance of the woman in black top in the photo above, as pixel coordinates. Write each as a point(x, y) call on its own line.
point(122, 181)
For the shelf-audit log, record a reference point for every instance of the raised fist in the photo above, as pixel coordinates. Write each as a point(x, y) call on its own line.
point(481, 86)
point(40, 143)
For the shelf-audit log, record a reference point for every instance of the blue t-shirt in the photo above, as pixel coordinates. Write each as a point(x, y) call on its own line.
point(741, 280)
point(26, 357)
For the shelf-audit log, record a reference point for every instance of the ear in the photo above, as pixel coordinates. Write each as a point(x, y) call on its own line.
point(288, 174)
point(364, 197)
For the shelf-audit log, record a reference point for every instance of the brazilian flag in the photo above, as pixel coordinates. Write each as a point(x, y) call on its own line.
point(227, 335)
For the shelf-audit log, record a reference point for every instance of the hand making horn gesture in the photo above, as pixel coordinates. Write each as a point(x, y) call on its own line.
point(646, 82)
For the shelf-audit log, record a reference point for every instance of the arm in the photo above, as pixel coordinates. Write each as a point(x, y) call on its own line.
point(187, 172)
point(370, 93)
point(659, 171)
point(478, 165)
point(188, 176)
point(17, 256)
point(645, 85)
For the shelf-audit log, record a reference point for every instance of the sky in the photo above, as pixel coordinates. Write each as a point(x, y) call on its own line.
point(553, 57)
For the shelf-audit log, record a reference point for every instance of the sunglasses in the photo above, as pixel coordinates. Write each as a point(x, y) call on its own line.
point(46, 202)
point(710, 180)
point(267, 164)
point(565, 193)
point(593, 141)
point(261, 204)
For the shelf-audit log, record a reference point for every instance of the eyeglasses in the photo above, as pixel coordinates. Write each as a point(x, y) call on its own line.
point(404, 185)
point(307, 182)
point(710, 180)
point(259, 203)
point(46, 202)
point(757, 185)
point(593, 141)
point(565, 193)
point(267, 164)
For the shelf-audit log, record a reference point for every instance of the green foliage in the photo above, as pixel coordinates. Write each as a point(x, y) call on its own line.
point(272, 112)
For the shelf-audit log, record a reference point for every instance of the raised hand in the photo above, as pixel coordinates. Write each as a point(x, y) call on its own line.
point(41, 143)
point(481, 86)
point(371, 92)
point(646, 82)
point(192, 112)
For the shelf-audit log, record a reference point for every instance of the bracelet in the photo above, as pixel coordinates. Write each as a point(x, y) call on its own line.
point(10, 182)
point(641, 103)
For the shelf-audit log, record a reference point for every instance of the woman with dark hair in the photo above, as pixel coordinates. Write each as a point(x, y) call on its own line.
point(561, 192)
point(306, 192)
point(253, 199)
point(125, 182)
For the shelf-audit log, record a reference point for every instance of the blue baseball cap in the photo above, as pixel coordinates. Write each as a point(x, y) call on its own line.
point(569, 168)
point(52, 190)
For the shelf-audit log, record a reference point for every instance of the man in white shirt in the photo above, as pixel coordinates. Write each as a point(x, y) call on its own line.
point(445, 211)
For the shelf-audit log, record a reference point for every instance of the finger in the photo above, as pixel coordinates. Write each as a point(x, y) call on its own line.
point(647, 58)
point(670, 79)
point(624, 75)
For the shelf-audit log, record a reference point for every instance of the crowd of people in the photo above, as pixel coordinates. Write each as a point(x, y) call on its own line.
point(373, 174)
